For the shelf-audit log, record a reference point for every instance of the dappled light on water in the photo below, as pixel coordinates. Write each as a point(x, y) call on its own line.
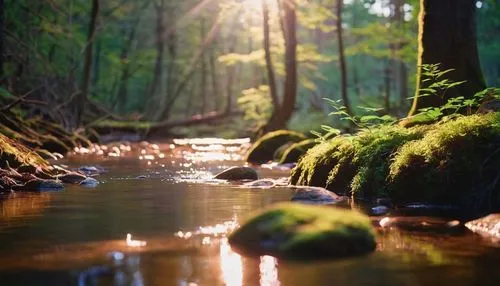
point(134, 243)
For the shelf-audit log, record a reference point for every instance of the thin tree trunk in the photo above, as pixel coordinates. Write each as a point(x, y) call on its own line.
point(448, 37)
point(83, 95)
point(342, 60)
point(215, 79)
point(290, 85)
point(203, 70)
point(401, 72)
point(125, 76)
point(269, 64)
point(387, 86)
point(97, 63)
point(164, 113)
point(155, 87)
point(230, 73)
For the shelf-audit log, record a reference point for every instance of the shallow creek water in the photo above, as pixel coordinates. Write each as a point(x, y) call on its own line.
point(177, 219)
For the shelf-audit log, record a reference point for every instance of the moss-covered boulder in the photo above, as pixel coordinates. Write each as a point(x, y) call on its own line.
point(263, 150)
point(457, 161)
point(296, 150)
point(237, 174)
point(305, 232)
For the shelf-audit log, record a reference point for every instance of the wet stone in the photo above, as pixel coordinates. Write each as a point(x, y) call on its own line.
point(39, 185)
point(488, 226)
point(237, 174)
point(89, 183)
point(315, 195)
point(264, 183)
point(72, 178)
point(91, 170)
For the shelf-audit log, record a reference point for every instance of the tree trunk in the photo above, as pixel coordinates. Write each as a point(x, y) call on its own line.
point(215, 78)
point(387, 86)
point(448, 37)
point(83, 94)
point(342, 60)
point(269, 63)
point(401, 71)
point(155, 87)
point(203, 75)
point(290, 85)
point(97, 63)
point(125, 76)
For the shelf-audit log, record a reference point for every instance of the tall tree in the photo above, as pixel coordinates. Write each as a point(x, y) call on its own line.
point(288, 19)
point(448, 37)
point(342, 60)
point(156, 84)
point(83, 94)
point(271, 79)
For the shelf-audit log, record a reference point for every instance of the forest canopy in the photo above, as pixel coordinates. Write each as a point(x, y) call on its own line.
point(78, 62)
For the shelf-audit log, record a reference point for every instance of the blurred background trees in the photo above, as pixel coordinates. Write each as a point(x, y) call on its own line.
point(78, 61)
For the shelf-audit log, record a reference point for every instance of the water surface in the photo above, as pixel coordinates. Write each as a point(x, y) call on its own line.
point(177, 217)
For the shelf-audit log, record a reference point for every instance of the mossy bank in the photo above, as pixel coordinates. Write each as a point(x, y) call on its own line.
point(455, 161)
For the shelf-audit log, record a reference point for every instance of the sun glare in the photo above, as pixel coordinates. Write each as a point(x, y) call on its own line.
point(253, 4)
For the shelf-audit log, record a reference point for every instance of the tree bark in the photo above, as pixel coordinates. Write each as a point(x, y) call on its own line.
point(342, 60)
point(160, 52)
point(447, 36)
point(269, 63)
point(290, 85)
point(83, 94)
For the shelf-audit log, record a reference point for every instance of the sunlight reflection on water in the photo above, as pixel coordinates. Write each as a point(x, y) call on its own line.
point(231, 265)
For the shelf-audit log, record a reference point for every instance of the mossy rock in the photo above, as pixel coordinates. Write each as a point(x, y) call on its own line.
point(293, 153)
point(456, 162)
point(263, 150)
point(237, 174)
point(299, 231)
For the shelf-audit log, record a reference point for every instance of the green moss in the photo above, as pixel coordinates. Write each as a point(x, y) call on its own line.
point(302, 231)
point(374, 152)
point(296, 150)
point(356, 164)
point(263, 150)
point(313, 169)
point(15, 155)
point(455, 162)
point(133, 125)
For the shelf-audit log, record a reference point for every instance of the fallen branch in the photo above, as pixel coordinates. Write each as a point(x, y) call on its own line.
point(194, 120)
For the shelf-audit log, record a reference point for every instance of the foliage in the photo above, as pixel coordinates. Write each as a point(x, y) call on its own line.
point(256, 105)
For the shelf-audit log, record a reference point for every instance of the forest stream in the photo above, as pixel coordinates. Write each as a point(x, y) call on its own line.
point(158, 218)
